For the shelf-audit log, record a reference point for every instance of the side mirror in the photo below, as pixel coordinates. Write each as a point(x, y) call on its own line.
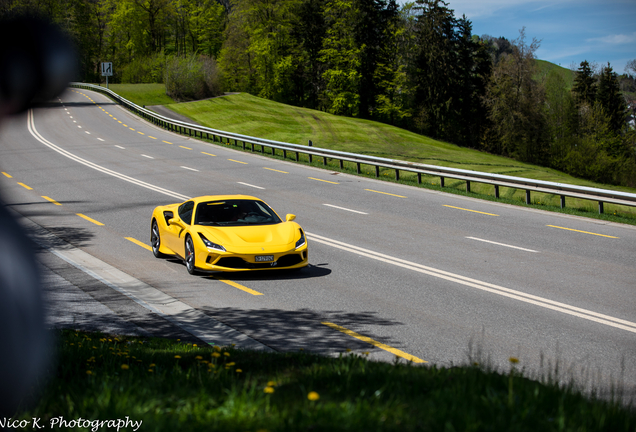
point(175, 221)
point(290, 217)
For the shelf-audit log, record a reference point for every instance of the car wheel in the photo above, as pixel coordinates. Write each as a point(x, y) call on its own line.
point(189, 255)
point(155, 240)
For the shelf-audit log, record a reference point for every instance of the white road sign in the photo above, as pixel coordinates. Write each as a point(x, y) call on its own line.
point(107, 69)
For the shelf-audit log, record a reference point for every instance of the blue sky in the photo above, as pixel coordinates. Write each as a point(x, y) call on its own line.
point(570, 31)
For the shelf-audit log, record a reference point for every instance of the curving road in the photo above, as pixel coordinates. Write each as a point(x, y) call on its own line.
point(395, 270)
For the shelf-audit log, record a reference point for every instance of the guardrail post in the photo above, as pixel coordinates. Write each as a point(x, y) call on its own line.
point(341, 163)
point(419, 178)
point(467, 185)
point(297, 157)
point(252, 146)
point(496, 191)
point(562, 201)
point(243, 145)
point(397, 175)
point(600, 207)
point(377, 171)
point(284, 154)
point(527, 196)
point(358, 167)
point(441, 182)
point(324, 160)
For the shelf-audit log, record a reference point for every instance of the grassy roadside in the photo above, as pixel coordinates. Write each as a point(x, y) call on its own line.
point(250, 115)
point(170, 385)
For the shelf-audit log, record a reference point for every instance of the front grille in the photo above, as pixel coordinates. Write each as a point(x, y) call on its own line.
point(239, 263)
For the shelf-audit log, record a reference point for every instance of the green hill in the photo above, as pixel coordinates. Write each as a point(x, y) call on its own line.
point(545, 67)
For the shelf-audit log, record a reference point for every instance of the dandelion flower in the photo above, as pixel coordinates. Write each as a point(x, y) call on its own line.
point(513, 360)
point(125, 367)
point(89, 372)
point(177, 356)
point(271, 383)
point(239, 370)
point(152, 365)
point(216, 355)
point(313, 396)
point(227, 354)
point(194, 345)
point(269, 389)
point(198, 358)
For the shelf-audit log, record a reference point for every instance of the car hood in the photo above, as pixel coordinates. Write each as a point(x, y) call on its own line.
point(247, 238)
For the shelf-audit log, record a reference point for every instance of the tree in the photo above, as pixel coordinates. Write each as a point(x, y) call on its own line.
point(584, 86)
point(516, 105)
point(342, 57)
point(432, 72)
point(611, 100)
point(630, 67)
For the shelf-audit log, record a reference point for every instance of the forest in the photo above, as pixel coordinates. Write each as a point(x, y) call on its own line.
point(416, 66)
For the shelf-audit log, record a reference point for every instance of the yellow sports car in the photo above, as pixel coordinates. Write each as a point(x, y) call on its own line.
point(228, 233)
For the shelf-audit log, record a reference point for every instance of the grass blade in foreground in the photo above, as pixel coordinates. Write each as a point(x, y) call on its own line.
point(171, 386)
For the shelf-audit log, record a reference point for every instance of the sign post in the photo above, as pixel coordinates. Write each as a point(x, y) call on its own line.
point(107, 70)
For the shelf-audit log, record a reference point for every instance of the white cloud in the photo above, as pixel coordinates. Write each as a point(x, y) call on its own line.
point(616, 39)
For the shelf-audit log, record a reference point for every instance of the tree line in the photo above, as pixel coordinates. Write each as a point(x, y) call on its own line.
point(416, 66)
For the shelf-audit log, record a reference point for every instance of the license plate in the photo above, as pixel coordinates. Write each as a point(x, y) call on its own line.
point(264, 258)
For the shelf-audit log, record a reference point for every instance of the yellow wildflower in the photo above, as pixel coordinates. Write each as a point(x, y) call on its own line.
point(313, 396)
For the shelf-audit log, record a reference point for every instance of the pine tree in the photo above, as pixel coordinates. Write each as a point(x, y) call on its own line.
point(609, 97)
point(584, 86)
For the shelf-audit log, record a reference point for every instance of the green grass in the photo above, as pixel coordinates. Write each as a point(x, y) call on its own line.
point(142, 94)
point(253, 116)
point(176, 386)
point(545, 67)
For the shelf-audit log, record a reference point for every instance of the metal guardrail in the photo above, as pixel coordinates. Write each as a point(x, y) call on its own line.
point(561, 189)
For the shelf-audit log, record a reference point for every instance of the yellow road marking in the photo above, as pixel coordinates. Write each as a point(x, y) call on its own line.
point(209, 154)
point(137, 242)
point(474, 211)
point(366, 339)
point(141, 133)
point(272, 169)
point(130, 128)
point(237, 285)
point(187, 148)
point(244, 163)
point(167, 142)
point(125, 125)
point(151, 137)
point(385, 193)
point(326, 181)
point(119, 121)
point(25, 186)
point(584, 232)
point(89, 219)
point(7, 175)
point(51, 200)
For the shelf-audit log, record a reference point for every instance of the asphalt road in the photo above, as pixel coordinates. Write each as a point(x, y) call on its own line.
point(394, 269)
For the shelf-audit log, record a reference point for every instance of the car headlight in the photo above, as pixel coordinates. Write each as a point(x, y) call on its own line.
point(302, 240)
point(210, 244)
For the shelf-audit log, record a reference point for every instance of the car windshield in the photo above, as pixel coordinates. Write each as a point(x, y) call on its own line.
point(235, 213)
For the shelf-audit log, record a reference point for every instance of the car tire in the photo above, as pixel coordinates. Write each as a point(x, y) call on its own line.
point(189, 256)
point(155, 240)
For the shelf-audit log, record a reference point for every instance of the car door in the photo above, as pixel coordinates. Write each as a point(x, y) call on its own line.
point(175, 239)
